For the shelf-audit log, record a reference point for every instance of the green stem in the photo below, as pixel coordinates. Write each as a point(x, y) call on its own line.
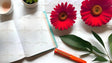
point(95, 53)
point(108, 55)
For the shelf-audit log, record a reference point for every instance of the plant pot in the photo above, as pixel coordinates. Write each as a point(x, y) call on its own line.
point(30, 5)
point(5, 7)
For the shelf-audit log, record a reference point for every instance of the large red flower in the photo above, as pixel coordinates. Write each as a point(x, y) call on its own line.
point(63, 16)
point(96, 12)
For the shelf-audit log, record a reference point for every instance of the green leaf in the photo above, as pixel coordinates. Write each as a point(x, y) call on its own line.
point(85, 55)
point(27, 1)
point(30, 1)
point(110, 43)
point(100, 58)
point(76, 42)
point(98, 38)
point(97, 50)
point(35, 0)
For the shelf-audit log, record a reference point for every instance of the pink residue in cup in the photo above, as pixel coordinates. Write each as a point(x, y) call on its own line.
point(6, 6)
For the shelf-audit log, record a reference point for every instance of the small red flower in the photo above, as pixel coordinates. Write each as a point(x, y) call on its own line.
point(63, 16)
point(96, 12)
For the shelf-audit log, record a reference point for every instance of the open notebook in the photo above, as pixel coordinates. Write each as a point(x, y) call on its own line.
point(25, 37)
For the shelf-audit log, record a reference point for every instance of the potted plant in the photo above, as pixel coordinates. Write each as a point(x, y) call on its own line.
point(30, 3)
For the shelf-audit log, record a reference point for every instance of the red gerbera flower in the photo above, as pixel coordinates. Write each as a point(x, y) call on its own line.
point(63, 16)
point(96, 12)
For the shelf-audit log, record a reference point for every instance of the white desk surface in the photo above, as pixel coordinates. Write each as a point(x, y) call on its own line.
point(49, 57)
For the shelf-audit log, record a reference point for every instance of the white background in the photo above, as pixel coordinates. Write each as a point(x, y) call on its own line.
point(79, 29)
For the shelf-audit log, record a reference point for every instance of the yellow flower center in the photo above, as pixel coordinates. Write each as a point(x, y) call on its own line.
point(96, 10)
point(63, 16)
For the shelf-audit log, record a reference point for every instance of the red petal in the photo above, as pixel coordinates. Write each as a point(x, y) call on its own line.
point(86, 17)
point(103, 20)
point(61, 25)
point(70, 8)
point(91, 20)
point(85, 13)
point(65, 5)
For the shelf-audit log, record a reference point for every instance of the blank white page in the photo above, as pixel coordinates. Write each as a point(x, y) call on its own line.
point(10, 45)
point(34, 34)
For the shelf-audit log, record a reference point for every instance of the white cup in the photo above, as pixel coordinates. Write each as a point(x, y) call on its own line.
point(5, 7)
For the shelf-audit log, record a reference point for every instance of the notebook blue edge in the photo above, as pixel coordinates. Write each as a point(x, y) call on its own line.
point(50, 29)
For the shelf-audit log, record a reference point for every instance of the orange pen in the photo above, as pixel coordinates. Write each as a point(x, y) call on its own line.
point(69, 56)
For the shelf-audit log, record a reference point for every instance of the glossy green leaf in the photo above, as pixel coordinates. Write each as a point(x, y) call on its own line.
point(97, 50)
point(76, 42)
point(85, 55)
point(110, 43)
point(100, 58)
point(98, 38)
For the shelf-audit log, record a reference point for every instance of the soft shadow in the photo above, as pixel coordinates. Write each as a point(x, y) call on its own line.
point(6, 17)
point(88, 28)
point(85, 55)
point(19, 61)
point(61, 32)
point(65, 58)
point(38, 55)
point(30, 10)
point(33, 57)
